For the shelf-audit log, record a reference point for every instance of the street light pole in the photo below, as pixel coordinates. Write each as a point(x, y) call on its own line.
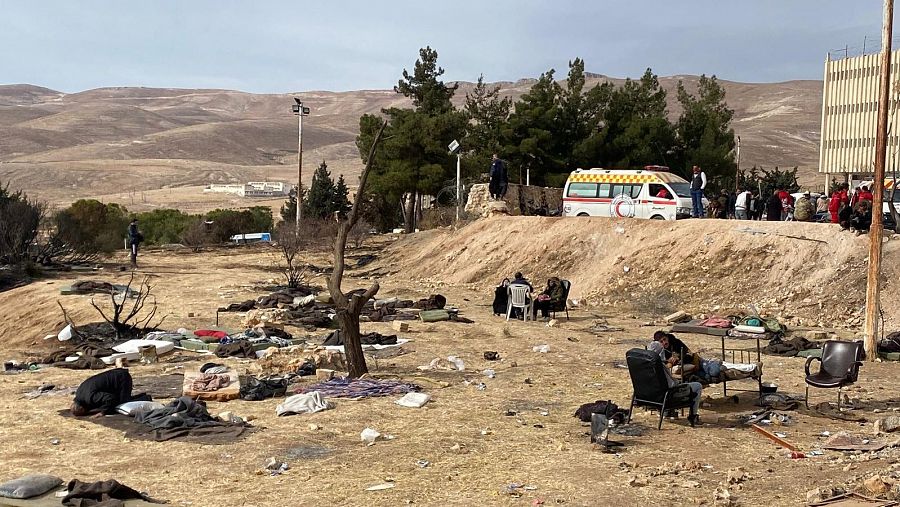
point(300, 111)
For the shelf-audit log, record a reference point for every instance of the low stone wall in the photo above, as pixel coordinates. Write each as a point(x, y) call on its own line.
point(519, 199)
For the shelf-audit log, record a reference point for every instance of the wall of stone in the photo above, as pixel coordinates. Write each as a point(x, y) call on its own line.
point(519, 200)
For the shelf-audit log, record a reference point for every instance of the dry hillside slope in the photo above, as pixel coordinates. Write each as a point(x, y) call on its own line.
point(45, 131)
point(807, 274)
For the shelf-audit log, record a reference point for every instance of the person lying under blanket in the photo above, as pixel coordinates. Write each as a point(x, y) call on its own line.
point(103, 392)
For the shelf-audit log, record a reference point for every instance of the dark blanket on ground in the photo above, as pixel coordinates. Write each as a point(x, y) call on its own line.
point(101, 494)
point(607, 408)
point(245, 306)
point(240, 348)
point(210, 435)
point(335, 338)
point(89, 360)
point(432, 302)
point(789, 348)
point(93, 287)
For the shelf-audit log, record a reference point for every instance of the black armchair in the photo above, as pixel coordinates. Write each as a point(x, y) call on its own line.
point(651, 385)
point(839, 367)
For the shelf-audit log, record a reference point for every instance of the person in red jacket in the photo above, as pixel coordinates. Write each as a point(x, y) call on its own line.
point(839, 199)
point(864, 194)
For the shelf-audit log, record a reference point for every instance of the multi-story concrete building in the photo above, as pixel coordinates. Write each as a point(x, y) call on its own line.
point(253, 189)
point(850, 118)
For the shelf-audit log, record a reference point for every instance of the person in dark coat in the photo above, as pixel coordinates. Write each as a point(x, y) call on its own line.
point(135, 238)
point(501, 297)
point(103, 392)
point(773, 208)
point(499, 178)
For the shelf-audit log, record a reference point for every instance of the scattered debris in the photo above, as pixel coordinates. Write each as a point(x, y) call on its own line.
point(637, 481)
point(413, 400)
point(381, 487)
point(737, 476)
point(678, 316)
point(369, 436)
point(489, 373)
point(491, 355)
point(843, 441)
point(887, 425)
point(421, 463)
point(541, 348)
point(772, 437)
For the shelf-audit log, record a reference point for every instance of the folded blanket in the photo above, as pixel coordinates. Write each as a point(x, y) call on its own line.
point(210, 382)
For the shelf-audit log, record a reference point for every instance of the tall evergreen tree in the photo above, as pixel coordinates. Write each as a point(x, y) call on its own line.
point(704, 130)
point(637, 130)
point(341, 200)
point(486, 111)
point(530, 135)
point(320, 198)
point(414, 159)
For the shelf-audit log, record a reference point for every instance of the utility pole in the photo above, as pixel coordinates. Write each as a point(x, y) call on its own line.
point(737, 170)
point(300, 111)
point(876, 231)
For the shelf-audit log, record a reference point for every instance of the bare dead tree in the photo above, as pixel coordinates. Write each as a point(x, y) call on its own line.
point(290, 242)
point(349, 308)
point(133, 318)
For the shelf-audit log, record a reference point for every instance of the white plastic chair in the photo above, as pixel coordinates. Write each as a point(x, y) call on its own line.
point(519, 296)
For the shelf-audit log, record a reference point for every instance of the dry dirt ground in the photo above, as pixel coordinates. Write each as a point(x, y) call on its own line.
point(473, 448)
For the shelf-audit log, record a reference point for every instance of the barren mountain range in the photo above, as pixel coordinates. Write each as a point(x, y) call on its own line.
point(164, 145)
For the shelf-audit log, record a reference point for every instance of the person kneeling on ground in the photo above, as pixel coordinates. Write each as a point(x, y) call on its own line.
point(550, 298)
point(696, 387)
point(861, 218)
point(103, 392)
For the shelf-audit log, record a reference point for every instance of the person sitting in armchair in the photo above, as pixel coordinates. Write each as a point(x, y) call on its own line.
point(550, 299)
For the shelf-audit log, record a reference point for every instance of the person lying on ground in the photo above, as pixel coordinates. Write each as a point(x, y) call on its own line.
point(696, 387)
point(103, 392)
point(552, 297)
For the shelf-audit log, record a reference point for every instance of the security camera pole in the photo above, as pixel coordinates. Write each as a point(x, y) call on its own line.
point(454, 148)
point(300, 111)
point(876, 231)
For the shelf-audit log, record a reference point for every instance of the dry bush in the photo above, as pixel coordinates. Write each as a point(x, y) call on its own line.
point(359, 234)
point(196, 235)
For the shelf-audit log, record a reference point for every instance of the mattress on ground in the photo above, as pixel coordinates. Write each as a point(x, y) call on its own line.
point(693, 326)
point(231, 392)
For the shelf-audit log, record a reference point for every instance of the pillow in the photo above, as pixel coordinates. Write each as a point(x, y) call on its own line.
point(29, 486)
point(132, 407)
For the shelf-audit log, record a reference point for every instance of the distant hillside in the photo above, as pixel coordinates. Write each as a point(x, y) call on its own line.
point(60, 147)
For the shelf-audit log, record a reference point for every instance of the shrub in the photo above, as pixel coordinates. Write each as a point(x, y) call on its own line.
point(91, 227)
point(20, 220)
point(164, 226)
point(226, 223)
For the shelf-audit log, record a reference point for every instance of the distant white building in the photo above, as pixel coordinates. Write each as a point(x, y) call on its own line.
point(252, 189)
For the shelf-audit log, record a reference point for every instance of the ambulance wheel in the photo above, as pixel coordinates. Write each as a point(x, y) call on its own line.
point(583, 215)
point(657, 217)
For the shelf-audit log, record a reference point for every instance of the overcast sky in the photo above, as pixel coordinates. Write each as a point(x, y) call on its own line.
point(285, 46)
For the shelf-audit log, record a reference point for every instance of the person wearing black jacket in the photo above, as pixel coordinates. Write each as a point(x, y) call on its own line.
point(773, 208)
point(103, 392)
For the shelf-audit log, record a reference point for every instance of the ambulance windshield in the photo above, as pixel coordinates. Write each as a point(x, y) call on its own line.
point(681, 189)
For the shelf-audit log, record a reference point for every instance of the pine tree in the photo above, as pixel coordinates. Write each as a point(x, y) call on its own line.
point(318, 201)
point(341, 200)
point(414, 158)
point(486, 112)
point(704, 130)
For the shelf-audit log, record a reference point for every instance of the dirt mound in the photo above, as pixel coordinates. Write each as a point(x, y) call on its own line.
point(807, 274)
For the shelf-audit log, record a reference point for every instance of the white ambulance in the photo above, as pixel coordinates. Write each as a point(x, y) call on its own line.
point(652, 192)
